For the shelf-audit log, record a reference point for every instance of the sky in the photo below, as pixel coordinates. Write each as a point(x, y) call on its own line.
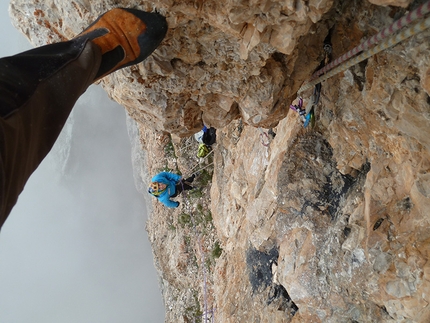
point(75, 248)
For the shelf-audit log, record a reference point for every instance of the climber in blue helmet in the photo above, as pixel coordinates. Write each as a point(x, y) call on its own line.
point(166, 185)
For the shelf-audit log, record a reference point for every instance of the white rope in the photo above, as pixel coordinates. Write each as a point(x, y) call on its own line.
point(389, 42)
point(416, 14)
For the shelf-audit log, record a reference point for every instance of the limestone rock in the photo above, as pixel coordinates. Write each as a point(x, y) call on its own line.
point(340, 211)
point(216, 57)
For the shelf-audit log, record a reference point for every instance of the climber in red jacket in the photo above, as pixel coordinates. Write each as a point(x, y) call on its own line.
point(39, 87)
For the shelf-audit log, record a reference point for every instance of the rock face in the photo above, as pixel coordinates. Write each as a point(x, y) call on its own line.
point(212, 64)
point(329, 224)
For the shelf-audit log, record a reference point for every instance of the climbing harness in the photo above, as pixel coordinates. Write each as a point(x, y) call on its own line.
point(387, 43)
point(307, 115)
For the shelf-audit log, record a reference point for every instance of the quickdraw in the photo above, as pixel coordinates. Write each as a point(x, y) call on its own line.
point(307, 115)
point(311, 107)
point(299, 109)
point(348, 60)
point(264, 137)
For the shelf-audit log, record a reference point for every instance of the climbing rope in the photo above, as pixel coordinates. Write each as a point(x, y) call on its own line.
point(202, 259)
point(199, 243)
point(264, 137)
point(192, 171)
point(188, 143)
point(394, 27)
point(389, 42)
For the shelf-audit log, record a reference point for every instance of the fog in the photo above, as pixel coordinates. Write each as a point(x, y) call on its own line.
point(74, 248)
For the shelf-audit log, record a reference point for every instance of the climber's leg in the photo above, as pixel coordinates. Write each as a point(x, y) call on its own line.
point(38, 88)
point(124, 37)
point(29, 132)
point(183, 185)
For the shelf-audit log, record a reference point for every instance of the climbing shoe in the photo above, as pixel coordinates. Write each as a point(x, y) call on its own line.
point(125, 37)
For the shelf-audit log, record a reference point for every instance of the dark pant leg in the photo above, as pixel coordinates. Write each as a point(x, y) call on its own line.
point(183, 186)
point(190, 179)
point(38, 89)
point(22, 73)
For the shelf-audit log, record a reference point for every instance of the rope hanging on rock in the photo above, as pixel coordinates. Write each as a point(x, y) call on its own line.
point(203, 262)
point(394, 27)
point(192, 170)
point(389, 42)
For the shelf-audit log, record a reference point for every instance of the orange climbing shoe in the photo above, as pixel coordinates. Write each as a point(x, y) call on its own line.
point(125, 37)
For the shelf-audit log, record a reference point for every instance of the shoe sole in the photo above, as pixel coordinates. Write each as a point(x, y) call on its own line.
point(125, 39)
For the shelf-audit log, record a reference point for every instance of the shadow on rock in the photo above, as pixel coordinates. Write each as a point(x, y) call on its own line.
point(260, 273)
point(309, 182)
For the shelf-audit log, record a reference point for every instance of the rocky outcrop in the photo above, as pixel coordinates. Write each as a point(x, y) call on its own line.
point(338, 202)
point(212, 64)
point(328, 224)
